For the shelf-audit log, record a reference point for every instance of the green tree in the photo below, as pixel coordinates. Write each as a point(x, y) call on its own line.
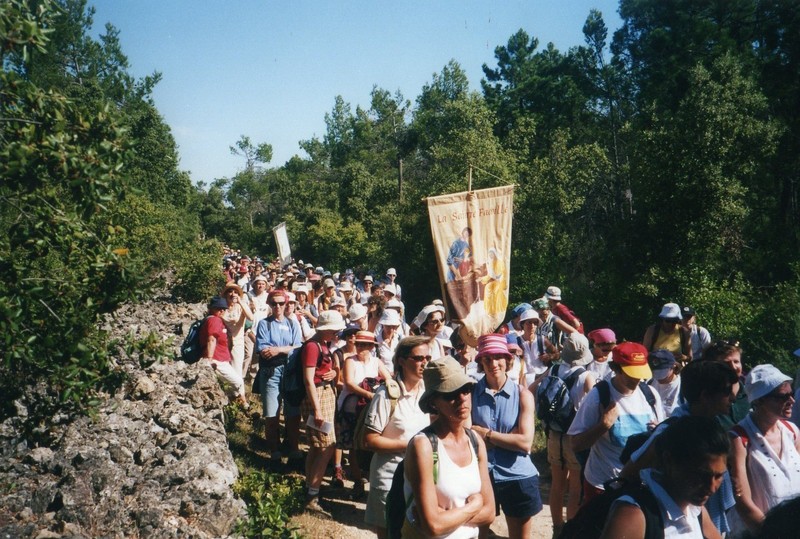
point(60, 161)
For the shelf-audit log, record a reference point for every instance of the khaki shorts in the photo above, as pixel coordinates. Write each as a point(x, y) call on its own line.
point(327, 404)
point(559, 452)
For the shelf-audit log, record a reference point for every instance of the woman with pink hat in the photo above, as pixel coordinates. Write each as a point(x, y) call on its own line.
point(502, 414)
point(362, 374)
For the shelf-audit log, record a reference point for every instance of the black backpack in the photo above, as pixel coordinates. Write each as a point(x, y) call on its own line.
point(554, 405)
point(590, 520)
point(396, 503)
point(293, 386)
point(191, 349)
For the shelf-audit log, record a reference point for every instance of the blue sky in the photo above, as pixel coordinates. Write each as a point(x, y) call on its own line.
point(271, 69)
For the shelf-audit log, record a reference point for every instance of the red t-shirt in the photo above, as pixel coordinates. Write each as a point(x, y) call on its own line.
point(321, 360)
point(566, 314)
point(215, 327)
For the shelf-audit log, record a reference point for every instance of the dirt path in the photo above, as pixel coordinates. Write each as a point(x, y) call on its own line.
point(348, 521)
point(348, 515)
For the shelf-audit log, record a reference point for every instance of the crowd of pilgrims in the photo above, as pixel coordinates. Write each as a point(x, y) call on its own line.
point(717, 447)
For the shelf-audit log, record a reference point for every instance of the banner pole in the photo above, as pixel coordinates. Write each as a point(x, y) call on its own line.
point(469, 176)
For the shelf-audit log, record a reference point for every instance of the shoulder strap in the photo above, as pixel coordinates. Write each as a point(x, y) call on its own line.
point(428, 431)
point(791, 426)
point(654, 336)
point(554, 370)
point(392, 389)
point(654, 522)
point(739, 431)
point(648, 394)
point(540, 342)
point(473, 438)
point(604, 393)
point(686, 340)
point(572, 378)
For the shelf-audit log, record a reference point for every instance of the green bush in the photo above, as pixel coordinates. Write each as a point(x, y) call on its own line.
point(271, 500)
point(199, 271)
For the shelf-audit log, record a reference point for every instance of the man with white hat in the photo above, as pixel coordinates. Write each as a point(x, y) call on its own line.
point(391, 277)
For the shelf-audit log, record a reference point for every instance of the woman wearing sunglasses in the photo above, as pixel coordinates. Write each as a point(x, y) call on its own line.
point(765, 451)
point(391, 421)
point(502, 414)
point(430, 321)
point(450, 496)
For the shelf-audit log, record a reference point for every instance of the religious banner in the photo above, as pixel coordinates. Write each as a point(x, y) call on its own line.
point(282, 241)
point(472, 238)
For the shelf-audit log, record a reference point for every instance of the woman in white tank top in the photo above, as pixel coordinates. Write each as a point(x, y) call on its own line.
point(454, 497)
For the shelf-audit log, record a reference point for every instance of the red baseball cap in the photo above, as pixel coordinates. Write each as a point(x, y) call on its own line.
point(632, 357)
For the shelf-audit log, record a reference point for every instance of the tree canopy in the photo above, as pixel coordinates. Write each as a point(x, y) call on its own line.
point(656, 164)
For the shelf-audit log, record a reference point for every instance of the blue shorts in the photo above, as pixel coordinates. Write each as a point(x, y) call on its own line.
point(519, 498)
point(271, 396)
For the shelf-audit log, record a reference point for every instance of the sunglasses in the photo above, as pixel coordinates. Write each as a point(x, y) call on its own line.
point(453, 395)
point(419, 359)
point(436, 321)
point(276, 304)
point(780, 397)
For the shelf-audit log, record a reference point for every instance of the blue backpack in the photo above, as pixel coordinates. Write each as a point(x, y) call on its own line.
point(554, 406)
point(191, 349)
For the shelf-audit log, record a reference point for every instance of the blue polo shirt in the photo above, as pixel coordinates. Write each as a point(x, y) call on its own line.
point(500, 412)
point(273, 332)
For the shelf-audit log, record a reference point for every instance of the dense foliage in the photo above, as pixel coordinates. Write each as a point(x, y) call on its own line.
point(658, 164)
point(90, 192)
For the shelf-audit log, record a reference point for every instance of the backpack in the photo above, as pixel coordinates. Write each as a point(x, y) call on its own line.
point(293, 386)
point(360, 431)
point(554, 406)
point(604, 391)
point(396, 503)
point(590, 520)
point(191, 349)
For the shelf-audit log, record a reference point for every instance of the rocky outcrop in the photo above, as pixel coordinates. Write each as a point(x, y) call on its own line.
point(153, 461)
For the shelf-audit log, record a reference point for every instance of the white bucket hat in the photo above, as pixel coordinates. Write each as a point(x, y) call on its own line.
point(330, 320)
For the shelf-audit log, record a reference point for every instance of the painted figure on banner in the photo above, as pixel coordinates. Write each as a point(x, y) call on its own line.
point(494, 292)
point(471, 232)
point(459, 260)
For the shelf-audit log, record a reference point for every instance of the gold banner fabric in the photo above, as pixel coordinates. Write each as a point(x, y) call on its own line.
point(472, 238)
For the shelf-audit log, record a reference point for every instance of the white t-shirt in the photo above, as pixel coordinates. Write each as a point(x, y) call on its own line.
point(533, 365)
point(576, 392)
point(385, 349)
point(406, 421)
point(635, 416)
point(669, 394)
point(601, 369)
